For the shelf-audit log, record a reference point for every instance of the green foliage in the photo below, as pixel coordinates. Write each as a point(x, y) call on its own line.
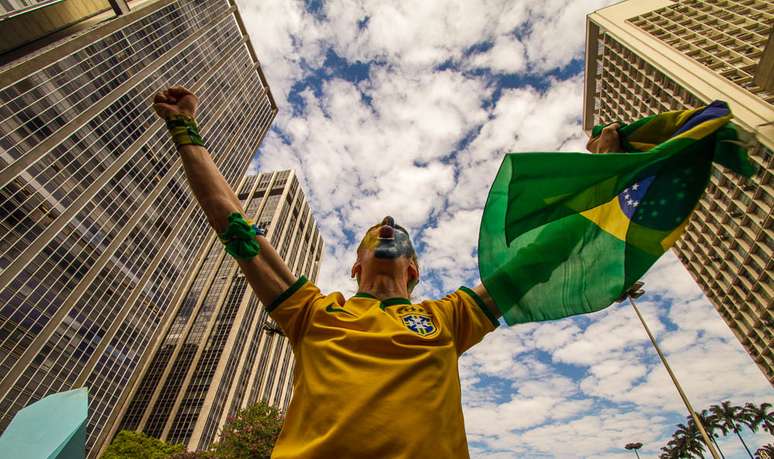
point(130, 445)
point(725, 418)
point(193, 455)
point(730, 416)
point(250, 434)
point(765, 452)
point(760, 416)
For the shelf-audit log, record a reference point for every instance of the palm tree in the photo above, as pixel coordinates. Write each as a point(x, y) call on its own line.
point(760, 416)
point(687, 438)
point(765, 452)
point(668, 452)
point(635, 447)
point(679, 445)
point(710, 424)
point(728, 416)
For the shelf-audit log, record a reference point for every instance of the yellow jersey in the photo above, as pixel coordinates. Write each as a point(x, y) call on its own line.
point(376, 379)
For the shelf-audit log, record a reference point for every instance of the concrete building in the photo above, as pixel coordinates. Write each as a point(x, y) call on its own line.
point(98, 230)
point(222, 352)
point(647, 56)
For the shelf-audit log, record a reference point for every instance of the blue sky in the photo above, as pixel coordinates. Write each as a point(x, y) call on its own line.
point(406, 109)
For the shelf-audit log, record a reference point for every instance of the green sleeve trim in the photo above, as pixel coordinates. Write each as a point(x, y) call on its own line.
point(481, 305)
point(287, 293)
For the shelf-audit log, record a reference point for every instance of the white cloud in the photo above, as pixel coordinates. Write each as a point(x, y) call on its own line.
point(589, 436)
point(613, 333)
point(553, 335)
point(449, 248)
point(507, 55)
point(669, 278)
point(556, 36)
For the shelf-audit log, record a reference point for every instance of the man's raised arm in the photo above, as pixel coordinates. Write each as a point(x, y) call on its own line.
point(266, 272)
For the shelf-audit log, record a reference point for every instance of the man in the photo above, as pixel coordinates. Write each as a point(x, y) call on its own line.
point(376, 375)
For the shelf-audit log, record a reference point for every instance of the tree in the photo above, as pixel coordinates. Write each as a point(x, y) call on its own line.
point(760, 416)
point(193, 455)
point(130, 444)
point(765, 452)
point(635, 447)
point(687, 440)
point(670, 451)
point(711, 424)
point(250, 434)
point(729, 416)
point(678, 445)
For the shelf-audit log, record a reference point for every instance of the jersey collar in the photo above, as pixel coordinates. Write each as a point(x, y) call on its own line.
point(364, 295)
point(383, 303)
point(393, 302)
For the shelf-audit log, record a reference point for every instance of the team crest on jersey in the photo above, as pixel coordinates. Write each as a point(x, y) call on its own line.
point(418, 320)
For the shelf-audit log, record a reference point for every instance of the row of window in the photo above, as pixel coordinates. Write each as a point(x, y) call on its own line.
point(727, 38)
point(95, 70)
point(184, 423)
point(138, 406)
point(159, 418)
point(82, 168)
point(112, 396)
point(727, 246)
point(103, 212)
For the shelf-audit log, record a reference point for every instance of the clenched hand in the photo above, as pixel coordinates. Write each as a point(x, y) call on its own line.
point(606, 142)
point(175, 100)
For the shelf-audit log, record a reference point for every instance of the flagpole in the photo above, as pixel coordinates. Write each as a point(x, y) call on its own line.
point(635, 292)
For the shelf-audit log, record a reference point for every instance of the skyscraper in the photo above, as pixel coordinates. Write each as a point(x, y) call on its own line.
point(648, 56)
point(222, 352)
point(99, 230)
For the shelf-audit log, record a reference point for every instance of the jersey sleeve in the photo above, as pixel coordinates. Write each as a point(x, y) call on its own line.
point(293, 308)
point(467, 317)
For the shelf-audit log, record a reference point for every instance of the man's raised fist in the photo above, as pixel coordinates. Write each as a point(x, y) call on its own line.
point(607, 142)
point(175, 100)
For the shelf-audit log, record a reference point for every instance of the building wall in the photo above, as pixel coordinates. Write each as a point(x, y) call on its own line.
point(98, 228)
point(44, 17)
point(222, 352)
point(657, 55)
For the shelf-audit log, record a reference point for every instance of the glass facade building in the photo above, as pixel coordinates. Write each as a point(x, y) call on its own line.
point(222, 352)
point(647, 56)
point(98, 228)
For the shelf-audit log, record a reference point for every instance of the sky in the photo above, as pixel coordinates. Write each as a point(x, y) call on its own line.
point(406, 109)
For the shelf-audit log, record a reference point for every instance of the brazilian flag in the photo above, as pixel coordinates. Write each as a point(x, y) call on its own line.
point(568, 233)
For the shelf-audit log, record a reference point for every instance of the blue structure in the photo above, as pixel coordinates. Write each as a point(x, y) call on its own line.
point(53, 428)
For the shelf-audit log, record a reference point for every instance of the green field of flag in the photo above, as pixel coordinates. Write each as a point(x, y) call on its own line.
point(567, 233)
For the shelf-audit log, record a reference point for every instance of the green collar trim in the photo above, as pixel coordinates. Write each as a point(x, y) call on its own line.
point(365, 295)
point(481, 305)
point(393, 302)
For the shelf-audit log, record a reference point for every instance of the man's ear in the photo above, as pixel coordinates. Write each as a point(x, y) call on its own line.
point(413, 273)
point(356, 268)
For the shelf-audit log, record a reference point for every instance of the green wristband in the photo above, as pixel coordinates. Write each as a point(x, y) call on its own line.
point(239, 238)
point(184, 131)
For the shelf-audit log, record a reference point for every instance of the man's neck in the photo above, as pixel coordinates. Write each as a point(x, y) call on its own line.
point(383, 286)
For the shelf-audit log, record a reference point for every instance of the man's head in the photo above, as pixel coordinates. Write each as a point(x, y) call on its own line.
point(386, 249)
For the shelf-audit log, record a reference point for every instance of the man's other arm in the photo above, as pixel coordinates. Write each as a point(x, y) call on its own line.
point(480, 290)
point(266, 272)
